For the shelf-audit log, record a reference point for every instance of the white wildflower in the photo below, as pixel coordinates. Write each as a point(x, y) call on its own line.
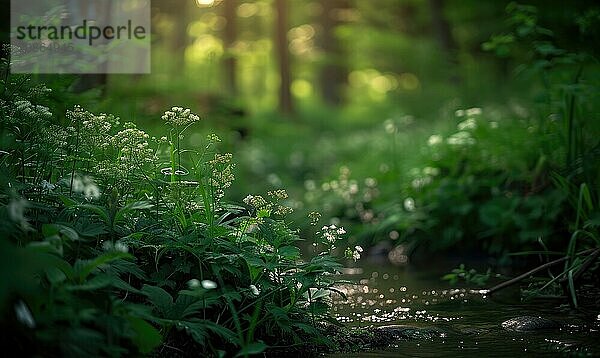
point(178, 116)
point(409, 204)
point(475, 111)
point(434, 139)
point(461, 138)
point(24, 314)
point(208, 284)
point(121, 247)
point(47, 186)
point(193, 283)
point(467, 124)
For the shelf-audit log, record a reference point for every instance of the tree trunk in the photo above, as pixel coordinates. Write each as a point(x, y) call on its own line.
point(333, 72)
point(229, 36)
point(100, 12)
point(444, 35)
point(441, 26)
point(283, 56)
point(180, 36)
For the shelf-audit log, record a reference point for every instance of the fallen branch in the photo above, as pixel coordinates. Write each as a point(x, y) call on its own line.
point(520, 278)
point(584, 267)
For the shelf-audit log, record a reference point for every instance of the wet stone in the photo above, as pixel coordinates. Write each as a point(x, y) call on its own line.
point(471, 331)
point(409, 332)
point(530, 323)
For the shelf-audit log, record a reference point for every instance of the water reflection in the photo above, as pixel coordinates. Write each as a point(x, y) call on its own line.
point(465, 321)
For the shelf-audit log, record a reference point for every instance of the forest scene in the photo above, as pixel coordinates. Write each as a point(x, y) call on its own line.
point(302, 178)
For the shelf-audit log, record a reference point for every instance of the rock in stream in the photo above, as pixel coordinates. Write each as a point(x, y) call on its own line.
point(530, 323)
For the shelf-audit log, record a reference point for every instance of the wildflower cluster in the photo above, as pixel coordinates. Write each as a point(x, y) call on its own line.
point(314, 217)
point(464, 137)
point(26, 109)
point(179, 117)
point(353, 254)
point(213, 138)
point(117, 246)
point(329, 235)
point(423, 176)
point(344, 187)
point(461, 138)
point(84, 185)
point(132, 151)
point(470, 112)
point(255, 201)
point(271, 206)
point(346, 195)
point(126, 240)
point(221, 169)
point(467, 124)
point(97, 128)
point(54, 138)
point(434, 140)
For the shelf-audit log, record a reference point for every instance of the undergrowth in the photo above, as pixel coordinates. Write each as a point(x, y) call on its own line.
point(117, 243)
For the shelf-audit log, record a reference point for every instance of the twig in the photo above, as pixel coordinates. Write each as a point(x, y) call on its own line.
point(519, 278)
point(588, 262)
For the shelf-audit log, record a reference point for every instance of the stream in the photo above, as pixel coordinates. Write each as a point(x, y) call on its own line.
point(463, 321)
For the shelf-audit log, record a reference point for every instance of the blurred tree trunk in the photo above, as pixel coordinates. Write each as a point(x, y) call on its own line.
point(100, 12)
point(441, 26)
point(176, 40)
point(444, 36)
point(283, 56)
point(229, 37)
point(333, 72)
point(180, 40)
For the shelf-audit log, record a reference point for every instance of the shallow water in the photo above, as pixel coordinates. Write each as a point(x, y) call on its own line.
point(468, 323)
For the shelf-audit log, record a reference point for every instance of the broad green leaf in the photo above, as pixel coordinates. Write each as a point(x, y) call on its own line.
point(252, 349)
point(99, 281)
point(138, 205)
point(146, 337)
point(289, 252)
point(160, 298)
point(87, 266)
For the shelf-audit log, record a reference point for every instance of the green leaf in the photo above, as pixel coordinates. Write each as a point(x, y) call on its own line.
point(99, 281)
point(55, 275)
point(587, 196)
point(320, 293)
point(146, 337)
point(289, 252)
point(572, 289)
point(200, 329)
point(138, 205)
point(160, 298)
point(87, 266)
point(98, 210)
point(58, 229)
point(68, 202)
point(91, 229)
point(51, 245)
point(252, 349)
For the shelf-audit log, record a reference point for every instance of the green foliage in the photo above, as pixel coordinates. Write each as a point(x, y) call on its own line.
point(124, 243)
point(570, 93)
point(482, 179)
point(470, 277)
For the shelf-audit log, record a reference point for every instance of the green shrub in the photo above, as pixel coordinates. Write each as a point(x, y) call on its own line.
point(119, 243)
